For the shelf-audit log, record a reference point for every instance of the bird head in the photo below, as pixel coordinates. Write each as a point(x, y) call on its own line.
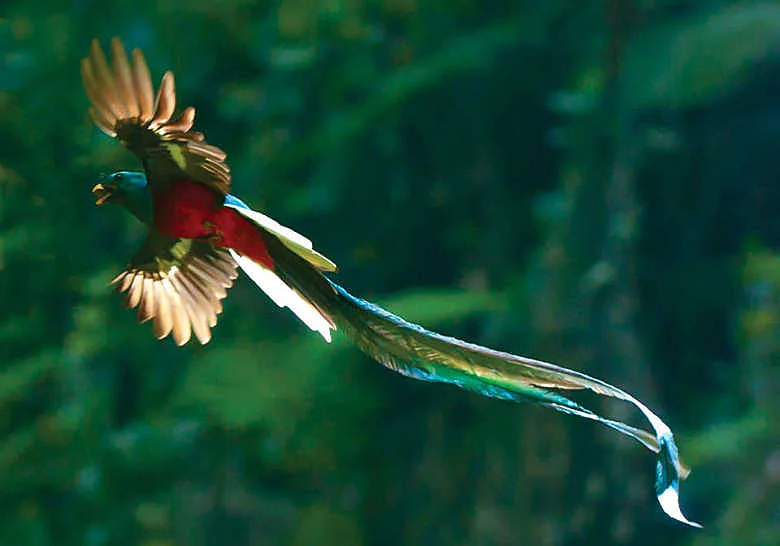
point(127, 189)
point(119, 187)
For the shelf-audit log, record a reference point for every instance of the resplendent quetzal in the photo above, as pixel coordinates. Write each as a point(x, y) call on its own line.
point(199, 235)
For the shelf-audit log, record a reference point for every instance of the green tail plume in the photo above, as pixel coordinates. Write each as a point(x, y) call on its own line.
point(413, 351)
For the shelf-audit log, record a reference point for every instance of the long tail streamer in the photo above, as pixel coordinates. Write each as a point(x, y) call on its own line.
point(299, 283)
point(416, 352)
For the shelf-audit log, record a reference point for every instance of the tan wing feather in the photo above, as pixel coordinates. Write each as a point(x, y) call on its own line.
point(105, 81)
point(166, 101)
point(124, 106)
point(191, 303)
point(179, 285)
point(147, 308)
point(163, 321)
point(123, 77)
point(183, 123)
point(142, 84)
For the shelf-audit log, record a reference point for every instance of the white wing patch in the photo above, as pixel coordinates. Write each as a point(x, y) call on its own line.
point(283, 295)
point(291, 239)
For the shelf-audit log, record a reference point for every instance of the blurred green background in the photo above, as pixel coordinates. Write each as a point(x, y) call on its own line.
point(592, 183)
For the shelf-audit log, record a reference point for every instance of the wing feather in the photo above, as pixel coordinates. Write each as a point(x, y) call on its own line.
point(123, 77)
point(209, 279)
point(179, 284)
point(99, 119)
point(180, 321)
point(142, 83)
point(105, 80)
point(197, 313)
point(183, 123)
point(146, 308)
point(209, 305)
point(125, 107)
point(134, 291)
point(163, 321)
point(166, 101)
point(92, 87)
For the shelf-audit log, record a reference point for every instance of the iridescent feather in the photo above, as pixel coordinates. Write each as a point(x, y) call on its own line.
point(413, 351)
point(179, 283)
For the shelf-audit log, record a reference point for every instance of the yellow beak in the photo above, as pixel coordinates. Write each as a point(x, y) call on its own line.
point(103, 192)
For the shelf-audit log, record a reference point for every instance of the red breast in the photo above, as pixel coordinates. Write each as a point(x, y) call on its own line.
point(191, 210)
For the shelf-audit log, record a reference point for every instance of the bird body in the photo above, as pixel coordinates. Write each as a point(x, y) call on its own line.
point(200, 235)
point(185, 209)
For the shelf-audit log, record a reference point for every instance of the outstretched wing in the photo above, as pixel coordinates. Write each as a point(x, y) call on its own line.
point(124, 107)
point(180, 284)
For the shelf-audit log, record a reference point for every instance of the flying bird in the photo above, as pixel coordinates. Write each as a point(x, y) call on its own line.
point(199, 236)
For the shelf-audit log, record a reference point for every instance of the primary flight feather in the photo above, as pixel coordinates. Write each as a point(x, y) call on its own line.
point(200, 235)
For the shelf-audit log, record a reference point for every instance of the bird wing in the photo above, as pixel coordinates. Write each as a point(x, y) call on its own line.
point(179, 283)
point(124, 107)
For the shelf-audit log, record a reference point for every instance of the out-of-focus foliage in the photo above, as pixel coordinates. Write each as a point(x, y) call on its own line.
point(591, 183)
